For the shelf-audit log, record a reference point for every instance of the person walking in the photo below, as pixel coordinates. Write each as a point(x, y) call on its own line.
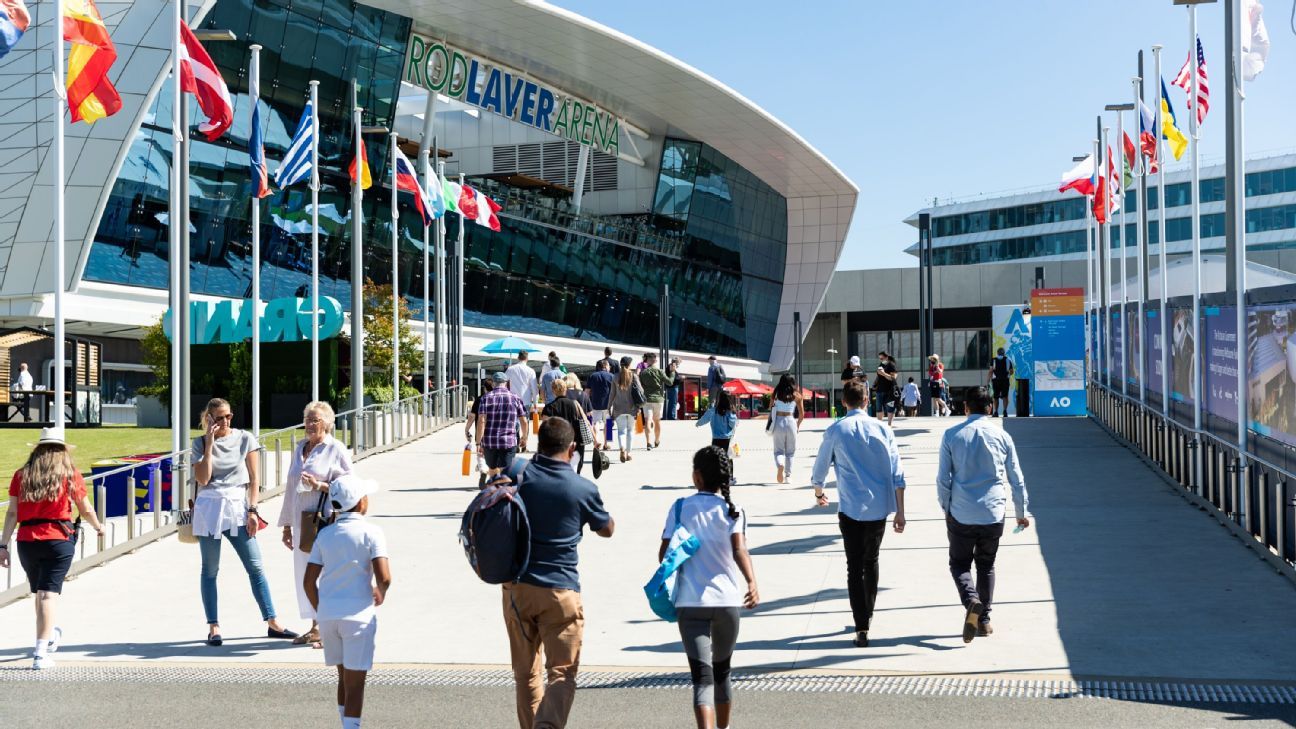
point(500, 417)
point(911, 397)
point(22, 389)
point(852, 372)
point(226, 469)
point(936, 384)
point(600, 385)
point(787, 413)
point(347, 578)
point(522, 381)
point(977, 470)
point(870, 487)
point(1001, 372)
point(722, 415)
point(886, 387)
point(613, 365)
point(578, 393)
point(41, 495)
point(542, 610)
point(553, 371)
point(673, 390)
point(316, 462)
point(655, 382)
point(709, 589)
point(715, 378)
point(570, 410)
point(624, 408)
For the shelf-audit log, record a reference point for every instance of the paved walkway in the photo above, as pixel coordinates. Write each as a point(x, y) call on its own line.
point(1119, 577)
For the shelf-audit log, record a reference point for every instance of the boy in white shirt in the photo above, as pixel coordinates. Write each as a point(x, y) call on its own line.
point(912, 396)
point(346, 579)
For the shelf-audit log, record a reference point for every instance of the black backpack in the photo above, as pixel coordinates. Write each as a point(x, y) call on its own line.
point(495, 532)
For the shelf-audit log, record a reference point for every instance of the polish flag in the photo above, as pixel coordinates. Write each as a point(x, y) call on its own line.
point(1080, 178)
point(200, 77)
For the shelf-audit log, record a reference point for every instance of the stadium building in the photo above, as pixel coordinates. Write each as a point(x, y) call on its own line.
point(621, 171)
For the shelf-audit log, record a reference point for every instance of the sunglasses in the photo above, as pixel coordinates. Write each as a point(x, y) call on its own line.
point(220, 418)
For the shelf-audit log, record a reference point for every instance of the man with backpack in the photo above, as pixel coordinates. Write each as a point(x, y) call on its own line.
point(542, 609)
point(1001, 371)
point(715, 378)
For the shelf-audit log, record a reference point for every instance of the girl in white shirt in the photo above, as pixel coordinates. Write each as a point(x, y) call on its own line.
point(709, 589)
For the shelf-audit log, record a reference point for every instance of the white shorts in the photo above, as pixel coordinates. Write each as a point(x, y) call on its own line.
point(653, 410)
point(601, 415)
point(349, 643)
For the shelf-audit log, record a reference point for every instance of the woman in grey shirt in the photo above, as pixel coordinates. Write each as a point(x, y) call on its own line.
point(225, 469)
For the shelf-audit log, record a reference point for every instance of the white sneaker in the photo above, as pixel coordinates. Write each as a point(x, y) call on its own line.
point(54, 642)
point(41, 663)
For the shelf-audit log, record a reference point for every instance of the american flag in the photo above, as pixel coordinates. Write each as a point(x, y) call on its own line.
point(1184, 81)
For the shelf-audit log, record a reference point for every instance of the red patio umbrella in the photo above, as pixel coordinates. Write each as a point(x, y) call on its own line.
point(743, 387)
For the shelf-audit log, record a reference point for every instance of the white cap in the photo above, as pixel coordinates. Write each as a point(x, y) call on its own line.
point(854, 361)
point(346, 491)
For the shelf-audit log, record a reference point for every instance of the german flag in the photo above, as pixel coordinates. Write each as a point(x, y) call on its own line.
point(90, 94)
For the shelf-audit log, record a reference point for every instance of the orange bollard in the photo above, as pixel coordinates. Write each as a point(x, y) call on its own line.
point(467, 459)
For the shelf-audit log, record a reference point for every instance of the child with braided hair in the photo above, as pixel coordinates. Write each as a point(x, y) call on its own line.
point(709, 589)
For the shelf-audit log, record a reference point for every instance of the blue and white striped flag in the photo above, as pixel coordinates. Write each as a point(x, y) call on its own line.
point(296, 165)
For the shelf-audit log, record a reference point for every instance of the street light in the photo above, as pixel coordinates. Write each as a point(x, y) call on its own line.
point(832, 390)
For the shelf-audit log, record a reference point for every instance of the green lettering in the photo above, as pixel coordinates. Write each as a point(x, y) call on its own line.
point(612, 142)
point(597, 137)
point(591, 114)
point(458, 75)
point(434, 83)
point(412, 66)
point(573, 130)
point(561, 122)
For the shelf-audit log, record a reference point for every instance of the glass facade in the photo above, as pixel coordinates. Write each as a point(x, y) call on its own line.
point(331, 41)
point(1018, 216)
point(961, 349)
point(1031, 246)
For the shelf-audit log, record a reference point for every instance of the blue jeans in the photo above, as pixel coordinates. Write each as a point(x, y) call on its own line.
point(249, 552)
point(672, 403)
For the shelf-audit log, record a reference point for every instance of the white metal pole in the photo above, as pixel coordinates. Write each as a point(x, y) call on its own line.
point(1140, 217)
point(254, 74)
point(429, 181)
point(179, 428)
point(60, 92)
point(1107, 250)
point(395, 253)
point(1124, 245)
point(357, 276)
point(315, 186)
point(1199, 391)
point(1236, 90)
point(1161, 238)
point(459, 300)
point(441, 320)
point(1090, 289)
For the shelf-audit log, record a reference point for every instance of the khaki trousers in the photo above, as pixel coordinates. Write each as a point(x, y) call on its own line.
point(548, 624)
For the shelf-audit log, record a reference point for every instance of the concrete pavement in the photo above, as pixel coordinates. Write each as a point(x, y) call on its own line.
point(1117, 577)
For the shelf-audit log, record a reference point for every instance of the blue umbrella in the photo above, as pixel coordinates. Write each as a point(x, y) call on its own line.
point(508, 345)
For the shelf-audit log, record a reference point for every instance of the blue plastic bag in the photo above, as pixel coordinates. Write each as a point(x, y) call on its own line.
point(661, 588)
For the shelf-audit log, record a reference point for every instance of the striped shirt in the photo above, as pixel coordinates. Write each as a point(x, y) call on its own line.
point(502, 409)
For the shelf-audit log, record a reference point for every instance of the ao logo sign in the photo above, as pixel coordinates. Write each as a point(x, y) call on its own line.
point(1060, 402)
point(282, 320)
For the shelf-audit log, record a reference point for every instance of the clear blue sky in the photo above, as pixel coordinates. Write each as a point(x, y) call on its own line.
point(915, 100)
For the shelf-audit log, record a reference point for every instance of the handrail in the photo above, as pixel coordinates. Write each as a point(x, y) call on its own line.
point(376, 428)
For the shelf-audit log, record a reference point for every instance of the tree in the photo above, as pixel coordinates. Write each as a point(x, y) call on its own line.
point(377, 324)
point(155, 351)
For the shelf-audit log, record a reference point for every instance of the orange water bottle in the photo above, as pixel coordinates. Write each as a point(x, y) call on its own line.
point(535, 422)
point(467, 458)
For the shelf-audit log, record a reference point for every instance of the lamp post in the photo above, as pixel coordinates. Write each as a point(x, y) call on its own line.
point(832, 389)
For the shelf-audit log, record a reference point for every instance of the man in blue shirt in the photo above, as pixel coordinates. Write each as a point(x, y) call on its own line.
point(542, 611)
point(978, 466)
point(870, 487)
point(715, 378)
point(600, 392)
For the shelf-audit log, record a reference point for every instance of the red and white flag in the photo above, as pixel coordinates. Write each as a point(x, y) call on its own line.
point(200, 77)
point(486, 209)
point(1184, 81)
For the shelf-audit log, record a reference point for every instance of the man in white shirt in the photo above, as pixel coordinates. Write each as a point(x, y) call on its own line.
point(912, 396)
point(522, 382)
point(23, 385)
point(347, 577)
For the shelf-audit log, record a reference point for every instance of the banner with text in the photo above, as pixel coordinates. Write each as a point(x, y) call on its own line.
point(1057, 340)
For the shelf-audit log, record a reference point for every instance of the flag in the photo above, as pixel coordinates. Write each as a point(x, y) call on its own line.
point(450, 192)
point(467, 202)
point(200, 77)
point(407, 181)
point(1147, 137)
point(365, 179)
point(90, 95)
point(1170, 132)
point(297, 162)
point(1100, 198)
point(1131, 159)
point(256, 144)
point(1255, 39)
point(486, 209)
point(1079, 178)
point(1113, 182)
point(14, 20)
point(436, 194)
point(1184, 81)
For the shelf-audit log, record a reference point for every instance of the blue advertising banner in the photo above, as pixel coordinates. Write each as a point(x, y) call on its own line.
point(1117, 351)
point(1221, 360)
point(1152, 334)
point(1057, 338)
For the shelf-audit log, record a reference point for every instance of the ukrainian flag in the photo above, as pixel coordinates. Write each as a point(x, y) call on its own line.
point(1170, 132)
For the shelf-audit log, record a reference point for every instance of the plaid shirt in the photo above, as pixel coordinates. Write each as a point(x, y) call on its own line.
point(501, 409)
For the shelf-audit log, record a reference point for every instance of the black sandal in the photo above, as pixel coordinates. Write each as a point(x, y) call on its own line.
point(215, 640)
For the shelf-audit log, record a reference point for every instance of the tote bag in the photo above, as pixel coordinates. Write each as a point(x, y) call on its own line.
point(661, 588)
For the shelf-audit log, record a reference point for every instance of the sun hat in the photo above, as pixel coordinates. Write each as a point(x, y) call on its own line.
point(347, 490)
point(52, 435)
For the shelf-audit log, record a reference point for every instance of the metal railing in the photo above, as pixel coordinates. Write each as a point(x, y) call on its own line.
point(374, 429)
point(1253, 496)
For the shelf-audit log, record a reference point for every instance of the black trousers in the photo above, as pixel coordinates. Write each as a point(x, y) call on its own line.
point(968, 544)
point(863, 541)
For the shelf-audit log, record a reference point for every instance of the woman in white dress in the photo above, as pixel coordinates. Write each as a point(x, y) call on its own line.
point(316, 462)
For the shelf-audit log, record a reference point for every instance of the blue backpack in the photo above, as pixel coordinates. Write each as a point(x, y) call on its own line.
point(495, 532)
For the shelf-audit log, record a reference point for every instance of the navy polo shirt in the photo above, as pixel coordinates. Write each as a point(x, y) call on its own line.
point(559, 504)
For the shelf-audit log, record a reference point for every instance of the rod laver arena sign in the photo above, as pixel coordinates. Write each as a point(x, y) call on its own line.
point(462, 76)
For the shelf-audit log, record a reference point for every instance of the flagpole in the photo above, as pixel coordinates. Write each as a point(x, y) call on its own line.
point(1236, 144)
point(1139, 223)
point(427, 242)
point(178, 426)
point(180, 222)
point(441, 319)
point(459, 298)
point(357, 277)
point(1161, 238)
point(254, 73)
point(1124, 246)
point(60, 91)
point(1089, 287)
point(315, 186)
point(395, 253)
point(1194, 194)
point(1107, 255)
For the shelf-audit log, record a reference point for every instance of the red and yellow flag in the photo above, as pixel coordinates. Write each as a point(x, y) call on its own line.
point(90, 94)
point(361, 176)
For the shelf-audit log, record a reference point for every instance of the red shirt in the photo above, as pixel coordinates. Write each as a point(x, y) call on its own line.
point(59, 507)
